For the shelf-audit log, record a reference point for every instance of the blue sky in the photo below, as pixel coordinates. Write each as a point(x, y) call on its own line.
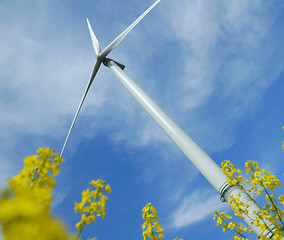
point(216, 67)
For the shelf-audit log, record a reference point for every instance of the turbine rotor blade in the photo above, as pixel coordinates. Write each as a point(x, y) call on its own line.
point(95, 70)
point(95, 41)
point(101, 55)
point(118, 39)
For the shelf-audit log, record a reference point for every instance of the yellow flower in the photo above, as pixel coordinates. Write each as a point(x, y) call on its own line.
point(92, 204)
point(86, 196)
point(107, 188)
point(151, 227)
point(246, 182)
point(232, 225)
point(80, 225)
point(24, 209)
point(37, 177)
point(14, 208)
point(233, 175)
point(281, 199)
point(260, 192)
point(261, 182)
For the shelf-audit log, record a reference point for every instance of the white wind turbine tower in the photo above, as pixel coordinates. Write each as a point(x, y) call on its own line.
point(210, 170)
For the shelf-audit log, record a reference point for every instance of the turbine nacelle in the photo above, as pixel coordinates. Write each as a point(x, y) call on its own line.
point(106, 61)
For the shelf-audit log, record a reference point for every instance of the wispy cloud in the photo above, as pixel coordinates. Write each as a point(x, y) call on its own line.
point(5, 167)
point(196, 207)
point(208, 64)
point(226, 65)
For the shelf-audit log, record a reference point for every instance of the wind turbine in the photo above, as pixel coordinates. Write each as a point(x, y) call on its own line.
point(102, 57)
point(209, 169)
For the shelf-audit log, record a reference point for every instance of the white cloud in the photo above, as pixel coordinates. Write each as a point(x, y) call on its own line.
point(228, 62)
point(196, 23)
point(196, 207)
point(59, 196)
point(222, 78)
point(5, 167)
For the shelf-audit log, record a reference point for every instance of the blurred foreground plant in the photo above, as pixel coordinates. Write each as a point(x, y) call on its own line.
point(25, 204)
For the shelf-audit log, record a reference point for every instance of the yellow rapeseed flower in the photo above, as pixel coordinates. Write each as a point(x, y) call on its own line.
point(92, 204)
point(281, 199)
point(151, 227)
point(24, 207)
point(261, 183)
point(233, 175)
point(37, 177)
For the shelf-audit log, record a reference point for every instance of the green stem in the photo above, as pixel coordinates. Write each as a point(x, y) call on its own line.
point(153, 234)
point(79, 233)
point(37, 171)
point(274, 197)
point(234, 229)
point(88, 214)
point(274, 206)
point(265, 224)
point(239, 233)
point(246, 215)
point(35, 177)
point(250, 197)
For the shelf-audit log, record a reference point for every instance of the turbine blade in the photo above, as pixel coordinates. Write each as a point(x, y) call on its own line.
point(95, 70)
point(95, 41)
point(118, 39)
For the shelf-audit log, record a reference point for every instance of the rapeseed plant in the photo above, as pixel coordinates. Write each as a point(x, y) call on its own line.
point(261, 183)
point(92, 204)
point(25, 204)
point(152, 229)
